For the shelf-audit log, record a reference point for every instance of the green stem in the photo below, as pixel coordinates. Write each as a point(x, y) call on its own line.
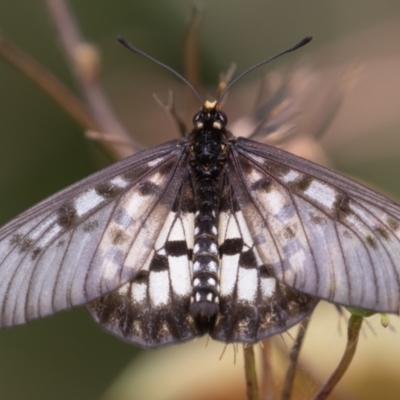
point(294, 357)
point(250, 373)
point(353, 331)
point(268, 384)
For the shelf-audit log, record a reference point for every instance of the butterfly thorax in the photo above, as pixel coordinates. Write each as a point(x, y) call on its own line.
point(208, 154)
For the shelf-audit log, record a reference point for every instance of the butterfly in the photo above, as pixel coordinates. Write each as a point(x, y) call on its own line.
point(208, 234)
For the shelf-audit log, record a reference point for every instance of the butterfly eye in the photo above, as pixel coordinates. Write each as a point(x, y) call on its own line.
point(198, 120)
point(222, 118)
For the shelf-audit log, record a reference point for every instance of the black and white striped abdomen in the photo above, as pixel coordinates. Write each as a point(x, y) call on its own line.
point(205, 297)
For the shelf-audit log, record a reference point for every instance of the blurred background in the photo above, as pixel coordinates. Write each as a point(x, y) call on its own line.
point(42, 150)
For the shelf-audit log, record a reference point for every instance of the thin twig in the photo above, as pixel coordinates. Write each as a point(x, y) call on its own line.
point(192, 58)
point(353, 331)
point(172, 112)
point(294, 357)
point(43, 78)
point(192, 54)
point(267, 377)
point(250, 372)
point(83, 60)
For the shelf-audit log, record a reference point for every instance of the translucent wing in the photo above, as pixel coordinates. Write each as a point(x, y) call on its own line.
point(290, 105)
point(153, 309)
point(88, 239)
point(253, 305)
point(317, 231)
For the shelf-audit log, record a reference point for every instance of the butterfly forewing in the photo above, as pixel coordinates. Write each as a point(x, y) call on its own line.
point(317, 231)
point(88, 239)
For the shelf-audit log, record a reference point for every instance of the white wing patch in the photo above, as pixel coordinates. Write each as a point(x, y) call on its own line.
point(159, 288)
point(87, 201)
point(180, 275)
point(322, 194)
point(228, 274)
point(247, 285)
point(152, 310)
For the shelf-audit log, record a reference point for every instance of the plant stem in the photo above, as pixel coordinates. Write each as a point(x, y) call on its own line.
point(353, 331)
point(294, 357)
point(250, 373)
point(51, 85)
point(85, 66)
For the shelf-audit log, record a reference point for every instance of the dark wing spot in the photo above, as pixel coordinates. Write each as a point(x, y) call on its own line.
point(247, 259)
point(393, 224)
point(159, 263)
point(176, 248)
point(302, 184)
point(231, 246)
point(107, 190)
point(36, 252)
point(67, 215)
point(235, 206)
point(118, 236)
point(25, 244)
point(105, 307)
point(148, 188)
point(297, 302)
point(263, 184)
point(133, 174)
point(246, 166)
point(317, 219)
point(165, 168)
point(342, 206)
point(15, 239)
point(381, 231)
point(141, 277)
point(371, 241)
point(90, 226)
point(266, 271)
point(288, 233)
point(277, 169)
point(61, 243)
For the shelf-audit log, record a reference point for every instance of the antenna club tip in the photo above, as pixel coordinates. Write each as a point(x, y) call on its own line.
point(306, 40)
point(302, 43)
point(121, 39)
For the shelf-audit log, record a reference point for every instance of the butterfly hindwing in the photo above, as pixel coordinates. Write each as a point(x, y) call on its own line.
point(85, 241)
point(316, 231)
point(153, 309)
point(253, 305)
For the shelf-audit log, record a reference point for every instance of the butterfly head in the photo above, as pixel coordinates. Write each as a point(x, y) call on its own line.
point(208, 140)
point(210, 117)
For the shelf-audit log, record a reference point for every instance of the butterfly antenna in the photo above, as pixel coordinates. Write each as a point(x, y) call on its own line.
point(302, 42)
point(141, 53)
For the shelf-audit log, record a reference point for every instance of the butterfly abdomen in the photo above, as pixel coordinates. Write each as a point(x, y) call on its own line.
point(205, 299)
point(208, 156)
